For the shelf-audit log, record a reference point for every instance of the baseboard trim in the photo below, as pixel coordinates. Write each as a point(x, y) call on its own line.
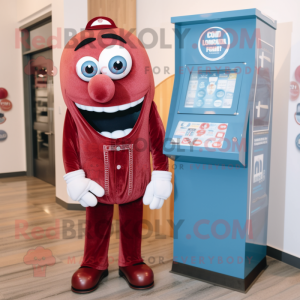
point(289, 259)
point(13, 174)
point(69, 206)
point(234, 283)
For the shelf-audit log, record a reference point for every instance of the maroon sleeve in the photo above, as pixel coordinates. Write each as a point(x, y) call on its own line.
point(157, 135)
point(70, 145)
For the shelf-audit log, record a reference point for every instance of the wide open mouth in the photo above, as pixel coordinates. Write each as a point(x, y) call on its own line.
point(113, 122)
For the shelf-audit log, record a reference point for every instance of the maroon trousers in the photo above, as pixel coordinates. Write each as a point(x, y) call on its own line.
point(98, 230)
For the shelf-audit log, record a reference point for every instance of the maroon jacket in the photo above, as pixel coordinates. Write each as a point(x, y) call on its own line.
point(98, 156)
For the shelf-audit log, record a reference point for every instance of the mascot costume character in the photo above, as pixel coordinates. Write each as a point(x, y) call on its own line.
point(111, 126)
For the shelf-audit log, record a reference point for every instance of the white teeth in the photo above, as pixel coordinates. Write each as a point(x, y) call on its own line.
point(127, 131)
point(106, 134)
point(116, 134)
point(98, 109)
point(110, 109)
point(135, 103)
point(124, 106)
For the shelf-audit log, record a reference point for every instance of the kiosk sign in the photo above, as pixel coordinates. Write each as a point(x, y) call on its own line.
point(214, 43)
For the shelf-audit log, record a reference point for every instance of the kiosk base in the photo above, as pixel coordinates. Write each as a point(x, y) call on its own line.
point(234, 283)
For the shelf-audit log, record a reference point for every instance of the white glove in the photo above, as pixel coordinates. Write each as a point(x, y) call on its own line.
point(78, 188)
point(158, 190)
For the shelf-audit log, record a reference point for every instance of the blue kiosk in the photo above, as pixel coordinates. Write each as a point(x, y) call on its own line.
point(219, 136)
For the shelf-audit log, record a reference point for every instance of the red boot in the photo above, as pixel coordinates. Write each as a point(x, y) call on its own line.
point(86, 280)
point(138, 276)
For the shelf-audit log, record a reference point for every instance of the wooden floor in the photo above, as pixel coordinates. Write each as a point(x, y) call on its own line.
point(29, 201)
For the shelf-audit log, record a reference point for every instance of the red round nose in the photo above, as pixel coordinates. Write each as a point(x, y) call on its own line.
point(101, 88)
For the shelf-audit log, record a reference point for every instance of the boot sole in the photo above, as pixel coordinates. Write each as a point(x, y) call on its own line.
point(76, 291)
point(135, 287)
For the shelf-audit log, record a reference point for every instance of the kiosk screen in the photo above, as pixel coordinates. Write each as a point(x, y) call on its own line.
point(209, 89)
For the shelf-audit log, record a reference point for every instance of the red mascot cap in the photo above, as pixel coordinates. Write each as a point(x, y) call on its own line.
point(100, 23)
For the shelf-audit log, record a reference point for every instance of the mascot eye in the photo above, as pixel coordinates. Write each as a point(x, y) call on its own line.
point(115, 61)
point(117, 65)
point(87, 67)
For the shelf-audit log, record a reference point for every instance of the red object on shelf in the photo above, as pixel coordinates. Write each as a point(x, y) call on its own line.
point(40, 78)
point(3, 93)
point(5, 105)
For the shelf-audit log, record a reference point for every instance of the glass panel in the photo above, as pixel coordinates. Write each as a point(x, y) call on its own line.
point(41, 93)
point(211, 89)
point(42, 145)
point(41, 106)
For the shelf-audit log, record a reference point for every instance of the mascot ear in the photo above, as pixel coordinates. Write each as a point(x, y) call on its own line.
point(100, 23)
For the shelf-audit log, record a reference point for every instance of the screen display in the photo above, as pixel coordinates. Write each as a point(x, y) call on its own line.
point(199, 134)
point(209, 89)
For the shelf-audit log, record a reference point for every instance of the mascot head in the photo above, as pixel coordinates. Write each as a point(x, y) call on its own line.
point(106, 78)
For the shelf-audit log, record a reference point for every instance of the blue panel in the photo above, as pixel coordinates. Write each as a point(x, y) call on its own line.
point(214, 194)
point(260, 103)
point(225, 16)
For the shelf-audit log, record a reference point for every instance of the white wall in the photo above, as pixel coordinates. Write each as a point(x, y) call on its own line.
point(12, 151)
point(27, 9)
point(283, 45)
point(292, 202)
point(284, 210)
point(65, 14)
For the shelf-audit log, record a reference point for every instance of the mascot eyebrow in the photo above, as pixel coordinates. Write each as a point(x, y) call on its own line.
point(84, 42)
point(113, 36)
point(104, 36)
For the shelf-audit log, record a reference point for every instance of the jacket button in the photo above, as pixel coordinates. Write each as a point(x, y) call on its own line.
point(118, 148)
point(118, 167)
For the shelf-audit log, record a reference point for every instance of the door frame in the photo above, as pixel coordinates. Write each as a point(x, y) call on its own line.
point(42, 20)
